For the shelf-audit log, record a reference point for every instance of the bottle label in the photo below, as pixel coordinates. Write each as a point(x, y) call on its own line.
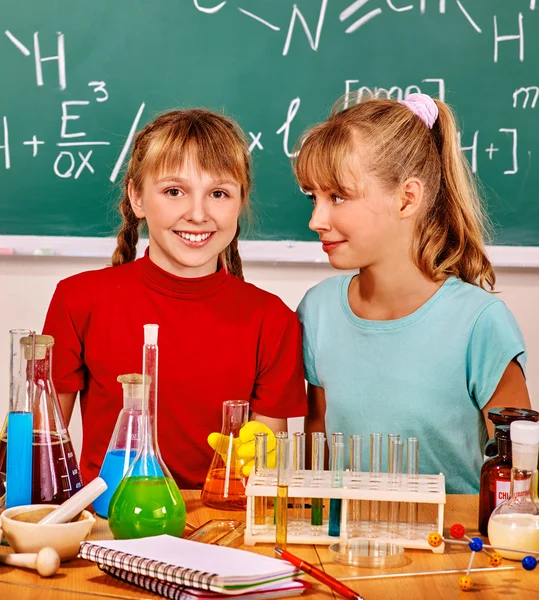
point(501, 491)
point(521, 487)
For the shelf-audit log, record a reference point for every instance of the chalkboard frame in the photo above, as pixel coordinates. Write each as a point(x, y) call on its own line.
point(282, 251)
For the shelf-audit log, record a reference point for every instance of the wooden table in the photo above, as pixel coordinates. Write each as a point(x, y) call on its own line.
point(81, 579)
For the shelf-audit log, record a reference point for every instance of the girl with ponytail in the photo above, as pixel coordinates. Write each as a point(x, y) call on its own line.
point(187, 182)
point(424, 348)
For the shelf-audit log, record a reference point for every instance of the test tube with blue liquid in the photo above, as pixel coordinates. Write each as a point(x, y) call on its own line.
point(124, 443)
point(20, 425)
point(337, 468)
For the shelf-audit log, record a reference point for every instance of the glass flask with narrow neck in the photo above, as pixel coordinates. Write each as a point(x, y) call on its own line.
point(515, 522)
point(124, 443)
point(225, 483)
point(147, 502)
point(55, 470)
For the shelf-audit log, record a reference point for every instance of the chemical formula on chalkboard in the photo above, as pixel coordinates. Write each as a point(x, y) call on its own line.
point(91, 78)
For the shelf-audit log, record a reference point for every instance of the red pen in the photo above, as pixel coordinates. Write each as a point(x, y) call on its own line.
point(311, 570)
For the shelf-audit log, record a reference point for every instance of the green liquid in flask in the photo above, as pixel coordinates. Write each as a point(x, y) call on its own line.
point(145, 506)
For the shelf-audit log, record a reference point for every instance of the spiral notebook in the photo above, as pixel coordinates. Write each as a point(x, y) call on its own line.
point(173, 591)
point(201, 566)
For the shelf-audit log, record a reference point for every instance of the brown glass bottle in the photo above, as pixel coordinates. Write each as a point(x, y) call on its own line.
point(505, 416)
point(495, 478)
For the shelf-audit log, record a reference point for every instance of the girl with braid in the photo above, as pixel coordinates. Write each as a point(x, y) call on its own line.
point(187, 182)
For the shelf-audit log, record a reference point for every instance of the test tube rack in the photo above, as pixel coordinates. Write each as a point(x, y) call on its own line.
point(382, 487)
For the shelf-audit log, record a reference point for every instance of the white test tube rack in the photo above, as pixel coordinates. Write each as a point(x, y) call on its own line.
point(420, 489)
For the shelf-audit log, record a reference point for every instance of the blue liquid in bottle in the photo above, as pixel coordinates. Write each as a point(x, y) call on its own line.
point(112, 471)
point(19, 459)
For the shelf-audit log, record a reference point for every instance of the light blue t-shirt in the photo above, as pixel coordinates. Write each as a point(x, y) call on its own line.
point(426, 375)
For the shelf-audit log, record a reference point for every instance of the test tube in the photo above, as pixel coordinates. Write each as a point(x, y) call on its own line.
point(375, 467)
point(412, 470)
point(391, 437)
point(317, 465)
point(337, 467)
point(281, 512)
point(279, 435)
point(261, 452)
point(20, 427)
point(299, 465)
point(356, 461)
point(397, 451)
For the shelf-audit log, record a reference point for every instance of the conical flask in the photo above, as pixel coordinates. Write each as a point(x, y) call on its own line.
point(124, 443)
point(55, 470)
point(225, 483)
point(147, 502)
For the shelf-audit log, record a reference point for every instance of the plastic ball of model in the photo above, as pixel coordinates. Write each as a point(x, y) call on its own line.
point(495, 560)
point(435, 540)
point(465, 583)
point(529, 563)
point(476, 545)
point(457, 531)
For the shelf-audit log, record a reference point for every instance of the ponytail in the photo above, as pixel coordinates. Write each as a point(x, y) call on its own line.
point(126, 245)
point(451, 228)
point(451, 235)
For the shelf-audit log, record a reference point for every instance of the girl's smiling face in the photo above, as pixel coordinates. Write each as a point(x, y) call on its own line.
point(192, 216)
point(360, 225)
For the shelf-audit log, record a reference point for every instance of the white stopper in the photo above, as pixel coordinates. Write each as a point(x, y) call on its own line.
point(74, 505)
point(46, 562)
point(525, 444)
point(150, 335)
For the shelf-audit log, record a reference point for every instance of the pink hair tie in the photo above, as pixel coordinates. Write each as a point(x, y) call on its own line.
point(423, 106)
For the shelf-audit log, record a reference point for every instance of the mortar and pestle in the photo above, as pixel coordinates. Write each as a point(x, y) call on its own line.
point(39, 532)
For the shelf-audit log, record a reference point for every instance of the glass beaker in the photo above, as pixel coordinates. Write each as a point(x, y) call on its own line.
point(225, 483)
point(124, 443)
point(147, 502)
point(16, 459)
point(55, 470)
point(515, 522)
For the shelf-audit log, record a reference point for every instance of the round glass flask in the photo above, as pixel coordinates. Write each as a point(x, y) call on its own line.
point(148, 502)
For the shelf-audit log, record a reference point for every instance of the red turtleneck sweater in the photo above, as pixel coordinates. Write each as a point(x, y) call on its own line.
point(219, 339)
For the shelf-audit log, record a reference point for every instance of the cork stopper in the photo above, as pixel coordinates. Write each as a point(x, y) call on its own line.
point(132, 388)
point(43, 342)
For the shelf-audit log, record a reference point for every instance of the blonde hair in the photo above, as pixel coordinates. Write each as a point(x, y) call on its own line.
point(215, 142)
point(451, 230)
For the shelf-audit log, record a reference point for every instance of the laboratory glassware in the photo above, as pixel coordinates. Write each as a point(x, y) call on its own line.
point(16, 457)
point(515, 522)
point(55, 470)
point(337, 468)
point(225, 482)
point(495, 480)
point(124, 443)
point(148, 502)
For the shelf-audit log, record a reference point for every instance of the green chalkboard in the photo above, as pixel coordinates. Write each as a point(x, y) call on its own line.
point(277, 66)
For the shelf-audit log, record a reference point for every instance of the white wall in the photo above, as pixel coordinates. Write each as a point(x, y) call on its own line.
point(27, 284)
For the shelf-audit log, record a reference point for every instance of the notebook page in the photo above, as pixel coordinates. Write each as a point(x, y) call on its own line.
point(220, 560)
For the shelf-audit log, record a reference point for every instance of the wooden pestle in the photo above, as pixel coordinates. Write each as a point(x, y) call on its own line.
point(46, 562)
